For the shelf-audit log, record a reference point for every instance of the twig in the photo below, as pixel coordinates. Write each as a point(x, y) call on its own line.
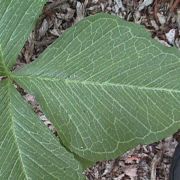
point(154, 164)
point(156, 10)
point(175, 5)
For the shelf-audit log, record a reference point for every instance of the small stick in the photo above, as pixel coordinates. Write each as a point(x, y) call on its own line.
point(175, 5)
point(156, 10)
point(154, 164)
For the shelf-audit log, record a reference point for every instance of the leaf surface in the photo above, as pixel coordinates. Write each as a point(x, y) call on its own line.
point(28, 150)
point(106, 86)
point(2, 65)
point(17, 18)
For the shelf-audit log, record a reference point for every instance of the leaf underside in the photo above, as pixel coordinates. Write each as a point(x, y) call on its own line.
point(28, 149)
point(106, 86)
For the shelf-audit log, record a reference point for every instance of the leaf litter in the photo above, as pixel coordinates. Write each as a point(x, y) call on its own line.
point(162, 19)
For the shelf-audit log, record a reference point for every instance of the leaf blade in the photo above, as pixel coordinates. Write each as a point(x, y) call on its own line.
point(28, 149)
point(107, 82)
point(2, 65)
point(17, 18)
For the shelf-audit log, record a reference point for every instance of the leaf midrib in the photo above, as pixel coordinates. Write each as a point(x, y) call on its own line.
point(14, 133)
point(100, 84)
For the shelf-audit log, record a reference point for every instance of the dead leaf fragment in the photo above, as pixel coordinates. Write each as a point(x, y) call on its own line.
point(171, 36)
point(145, 4)
point(79, 11)
point(44, 28)
point(131, 171)
point(119, 5)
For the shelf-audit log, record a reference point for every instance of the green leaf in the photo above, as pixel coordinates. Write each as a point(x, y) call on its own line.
point(28, 149)
point(2, 65)
point(17, 18)
point(107, 87)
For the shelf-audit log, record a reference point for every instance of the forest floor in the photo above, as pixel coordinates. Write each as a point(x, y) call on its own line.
point(162, 19)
